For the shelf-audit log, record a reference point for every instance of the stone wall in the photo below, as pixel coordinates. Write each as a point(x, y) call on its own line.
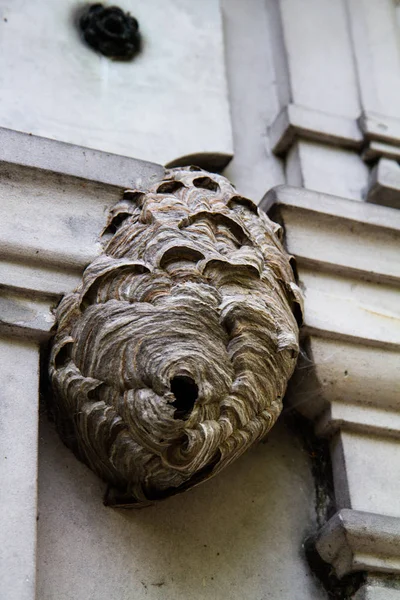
point(302, 98)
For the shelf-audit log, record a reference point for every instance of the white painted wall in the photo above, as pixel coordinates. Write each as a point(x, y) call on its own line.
point(254, 90)
point(240, 535)
point(171, 101)
point(237, 536)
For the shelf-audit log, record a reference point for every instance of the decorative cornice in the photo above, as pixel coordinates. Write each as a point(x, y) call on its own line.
point(377, 592)
point(28, 150)
point(380, 127)
point(298, 121)
point(348, 378)
point(27, 317)
point(375, 150)
point(359, 541)
point(384, 183)
point(376, 135)
point(54, 197)
point(333, 206)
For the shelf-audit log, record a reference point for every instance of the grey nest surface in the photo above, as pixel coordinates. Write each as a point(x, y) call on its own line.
point(173, 355)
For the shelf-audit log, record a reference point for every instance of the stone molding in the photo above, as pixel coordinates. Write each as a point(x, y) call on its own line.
point(45, 181)
point(377, 592)
point(380, 128)
point(298, 121)
point(348, 384)
point(384, 183)
point(348, 379)
point(52, 156)
point(374, 33)
point(53, 203)
point(358, 541)
point(363, 63)
point(338, 228)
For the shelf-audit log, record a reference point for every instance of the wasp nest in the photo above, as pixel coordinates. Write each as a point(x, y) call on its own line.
point(173, 355)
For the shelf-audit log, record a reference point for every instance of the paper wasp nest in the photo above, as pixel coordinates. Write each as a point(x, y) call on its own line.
point(173, 355)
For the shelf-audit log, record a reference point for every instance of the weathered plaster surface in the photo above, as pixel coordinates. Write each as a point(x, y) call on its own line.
point(19, 366)
point(253, 79)
point(237, 536)
point(163, 105)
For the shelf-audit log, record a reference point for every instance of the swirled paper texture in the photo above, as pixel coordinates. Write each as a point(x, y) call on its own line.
point(173, 355)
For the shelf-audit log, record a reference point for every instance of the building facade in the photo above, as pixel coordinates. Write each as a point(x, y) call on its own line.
point(298, 104)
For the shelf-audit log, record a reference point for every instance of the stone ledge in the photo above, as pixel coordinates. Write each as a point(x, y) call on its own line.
point(357, 541)
point(45, 154)
point(336, 371)
point(298, 121)
point(375, 150)
point(344, 416)
point(345, 308)
point(373, 592)
point(24, 316)
point(380, 127)
point(41, 280)
point(334, 206)
point(338, 229)
point(384, 183)
point(381, 134)
point(53, 207)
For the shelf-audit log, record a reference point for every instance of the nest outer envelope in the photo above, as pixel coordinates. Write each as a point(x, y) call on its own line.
point(173, 355)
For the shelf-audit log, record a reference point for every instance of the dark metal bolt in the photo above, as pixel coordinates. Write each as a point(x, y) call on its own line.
point(110, 31)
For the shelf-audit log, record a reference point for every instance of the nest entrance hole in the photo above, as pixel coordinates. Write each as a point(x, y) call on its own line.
point(186, 393)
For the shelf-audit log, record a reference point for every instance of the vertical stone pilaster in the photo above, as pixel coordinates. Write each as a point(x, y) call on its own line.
point(19, 403)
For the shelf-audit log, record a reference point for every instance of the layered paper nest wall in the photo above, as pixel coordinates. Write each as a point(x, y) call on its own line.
point(173, 355)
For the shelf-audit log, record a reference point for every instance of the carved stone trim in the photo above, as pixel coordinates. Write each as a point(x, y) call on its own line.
point(380, 128)
point(347, 380)
point(50, 218)
point(377, 592)
point(358, 541)
point(384, 183)
point(338, 229)
point(76, 161)
point(298, 121)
